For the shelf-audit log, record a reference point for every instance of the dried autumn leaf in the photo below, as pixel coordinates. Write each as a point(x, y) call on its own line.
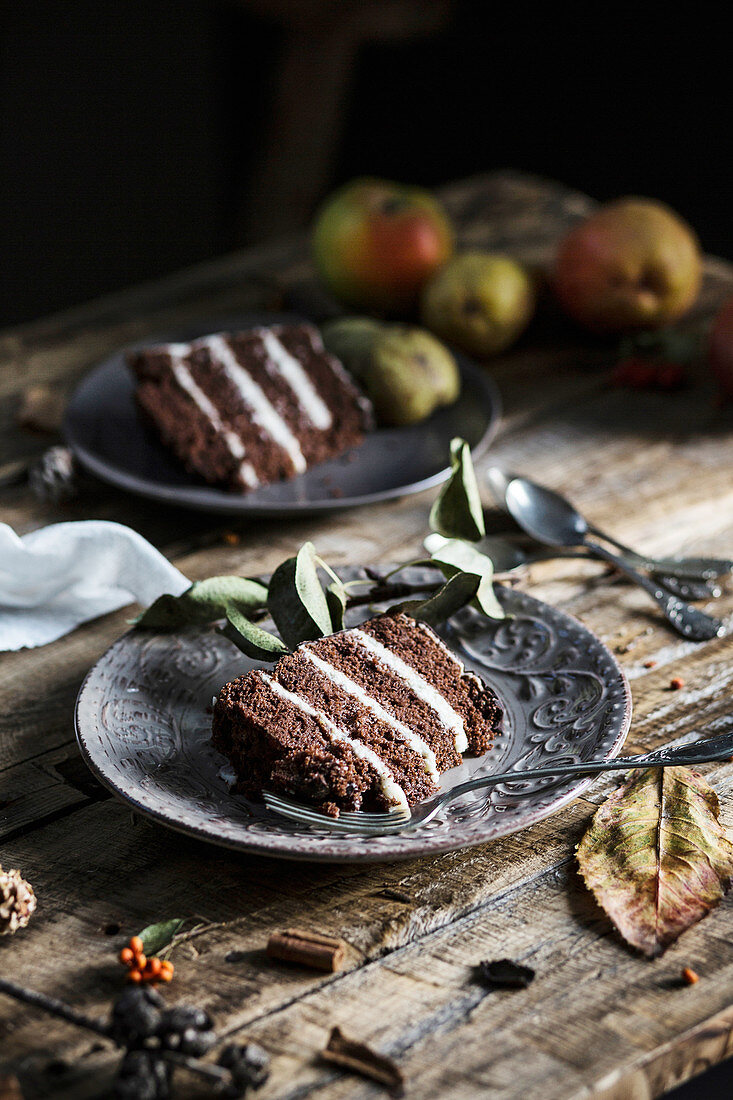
point(656, 857)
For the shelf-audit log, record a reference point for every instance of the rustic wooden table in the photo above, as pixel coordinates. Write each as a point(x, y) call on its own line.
point(598, 1021)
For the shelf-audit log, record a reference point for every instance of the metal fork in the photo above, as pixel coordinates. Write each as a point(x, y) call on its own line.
point(402, 819)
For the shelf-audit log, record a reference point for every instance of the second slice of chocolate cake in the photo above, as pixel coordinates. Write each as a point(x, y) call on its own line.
point(249, 408)
point(364, 719)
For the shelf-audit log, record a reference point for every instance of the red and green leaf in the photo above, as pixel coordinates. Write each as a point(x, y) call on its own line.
point(656, 856)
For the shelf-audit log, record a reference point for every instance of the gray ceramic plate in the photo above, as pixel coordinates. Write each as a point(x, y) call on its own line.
point(143, 723)
point(104, 431)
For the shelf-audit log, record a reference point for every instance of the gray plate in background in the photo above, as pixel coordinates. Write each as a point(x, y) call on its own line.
point(106, 434)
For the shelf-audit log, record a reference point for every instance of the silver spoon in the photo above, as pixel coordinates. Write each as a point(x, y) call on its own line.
point(695, 568)
point(401, 818)
point(551, 519)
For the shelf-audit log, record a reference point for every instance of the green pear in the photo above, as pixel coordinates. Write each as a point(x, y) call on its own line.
point(479, 301)
point(406, 372)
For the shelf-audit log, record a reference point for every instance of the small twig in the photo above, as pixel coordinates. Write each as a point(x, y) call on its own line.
point(380, 590)
point(388, 590)
point(54, 1007)
point(209, 1070)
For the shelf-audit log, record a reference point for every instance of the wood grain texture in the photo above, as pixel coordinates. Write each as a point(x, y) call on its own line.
point(598, 1021)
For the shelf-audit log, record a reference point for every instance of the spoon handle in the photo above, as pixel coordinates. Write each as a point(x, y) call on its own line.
point(686, 588)
point(694, 568)
point(686, 620)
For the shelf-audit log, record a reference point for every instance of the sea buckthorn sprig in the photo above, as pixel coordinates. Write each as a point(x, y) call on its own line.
point(140, 968)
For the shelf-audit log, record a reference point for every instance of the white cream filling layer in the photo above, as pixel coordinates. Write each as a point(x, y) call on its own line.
point(263, 411)
point(450, 719)
point(413, 739)
point(291, 370)
point(390, 788)
point(184, 378)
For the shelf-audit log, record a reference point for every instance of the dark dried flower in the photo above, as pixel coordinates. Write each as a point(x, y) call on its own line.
point(142, 1075)
point(188, 1030)
point(137, 1015)
point(505, 974)
point(249, 1066)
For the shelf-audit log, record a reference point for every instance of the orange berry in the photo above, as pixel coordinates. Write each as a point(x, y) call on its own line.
point(136, 944)
point(689, 976)
point(126, 956)
point(676, 683)
point(134, 976)
point(154, 967)
point(140, 961)
point(166, 971)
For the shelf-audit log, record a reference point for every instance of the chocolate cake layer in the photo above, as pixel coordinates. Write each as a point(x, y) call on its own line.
point(363, 719)
point(246, 409)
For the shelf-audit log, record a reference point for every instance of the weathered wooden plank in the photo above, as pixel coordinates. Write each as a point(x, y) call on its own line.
point(593, 1007)
point(377, 910)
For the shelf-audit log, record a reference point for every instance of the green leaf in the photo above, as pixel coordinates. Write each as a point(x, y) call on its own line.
point(456, 556)
point(296, 599)
point(335, 596)
point(166, 613)
point(457, 512)
point(203, 602)
point(656, 857)
point(336, 600)
point(451, 597)
point(250, 638)
point(157, 936)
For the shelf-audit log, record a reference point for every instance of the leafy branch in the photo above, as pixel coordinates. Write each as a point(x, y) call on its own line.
point(303, 609)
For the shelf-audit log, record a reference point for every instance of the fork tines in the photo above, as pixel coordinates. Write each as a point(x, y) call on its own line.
point(346, 822)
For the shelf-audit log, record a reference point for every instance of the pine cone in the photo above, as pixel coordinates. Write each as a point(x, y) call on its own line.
point(17, 901)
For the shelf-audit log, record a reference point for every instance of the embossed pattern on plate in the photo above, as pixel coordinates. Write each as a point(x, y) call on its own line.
point(143, 724)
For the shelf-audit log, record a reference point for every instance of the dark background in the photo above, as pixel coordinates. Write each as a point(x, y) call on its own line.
point(133, 133)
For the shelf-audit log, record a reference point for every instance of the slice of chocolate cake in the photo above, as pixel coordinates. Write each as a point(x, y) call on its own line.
point(363, 719)
point(245, 409)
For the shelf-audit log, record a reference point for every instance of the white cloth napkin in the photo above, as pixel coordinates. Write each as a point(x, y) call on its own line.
point(55, 578)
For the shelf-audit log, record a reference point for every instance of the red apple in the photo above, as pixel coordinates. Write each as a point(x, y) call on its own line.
point(376, 243)
point(720, 349)
point(632, 265)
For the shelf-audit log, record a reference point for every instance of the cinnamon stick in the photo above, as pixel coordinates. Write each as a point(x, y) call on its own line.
point(307, 948)
point(359, 1058)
